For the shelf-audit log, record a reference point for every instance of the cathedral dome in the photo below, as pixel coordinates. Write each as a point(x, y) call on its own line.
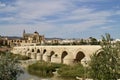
point(36, 32)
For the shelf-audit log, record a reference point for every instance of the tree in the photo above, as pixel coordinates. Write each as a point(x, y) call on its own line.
point(9, 68)
point(93, 41)
point(105, 62)
point(82, 42)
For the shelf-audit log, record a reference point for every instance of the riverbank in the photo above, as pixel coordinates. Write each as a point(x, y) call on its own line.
point(4, 48)
point(26, 76)
point(26, 63)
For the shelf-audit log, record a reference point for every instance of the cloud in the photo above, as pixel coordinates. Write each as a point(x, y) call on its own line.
point(5, 8)
point(38, 9)
point(118, 12)
point(29, 10)
point(85, 14)
point(106, 27)
point(25, 11)
point(2, 5)
point(15, 29)
point(7, 19)
point(52, 17)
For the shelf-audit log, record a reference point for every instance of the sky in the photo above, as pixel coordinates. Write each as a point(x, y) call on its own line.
point(60, 18)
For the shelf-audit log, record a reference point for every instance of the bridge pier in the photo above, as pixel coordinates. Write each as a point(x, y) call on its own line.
point(45, 57)
point(39, 56)
point(68, 61)
point(56, 59)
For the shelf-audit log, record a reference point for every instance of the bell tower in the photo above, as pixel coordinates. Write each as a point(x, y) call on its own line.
point(24, 34)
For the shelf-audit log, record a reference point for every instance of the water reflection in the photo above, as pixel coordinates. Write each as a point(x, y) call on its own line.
point(27, 76)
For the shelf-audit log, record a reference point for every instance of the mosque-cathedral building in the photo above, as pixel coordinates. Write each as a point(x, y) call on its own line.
point(27, 38)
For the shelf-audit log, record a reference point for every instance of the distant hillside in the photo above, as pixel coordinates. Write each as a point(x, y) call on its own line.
point(12, 37)
point(16, 37)
point(54, 38)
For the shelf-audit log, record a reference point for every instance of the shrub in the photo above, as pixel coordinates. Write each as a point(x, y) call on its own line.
point(20, 57)
point(9, 67)
point(43, 69)
point(105, 65)
point(71, 71)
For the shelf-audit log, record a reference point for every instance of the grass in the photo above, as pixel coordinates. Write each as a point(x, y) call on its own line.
point(71, 71)
point(45, 69)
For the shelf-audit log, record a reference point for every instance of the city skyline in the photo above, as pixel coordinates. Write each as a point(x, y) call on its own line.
point(60, 18)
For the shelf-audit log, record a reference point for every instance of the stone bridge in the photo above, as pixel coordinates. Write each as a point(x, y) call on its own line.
point(58, 54)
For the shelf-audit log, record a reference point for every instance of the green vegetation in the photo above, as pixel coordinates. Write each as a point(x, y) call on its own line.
point(20, 57)
point(17, 56)
point(43, 69)
point(105, 63)
point(9, 67)
point(93, 41)
point(70, 72)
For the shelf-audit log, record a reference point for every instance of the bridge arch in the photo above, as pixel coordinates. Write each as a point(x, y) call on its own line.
point(28, 49)
point(99, 52)
point(38, 50)
point(79, 56)
point(33, 50)
point(64, 54)
point(44, 51)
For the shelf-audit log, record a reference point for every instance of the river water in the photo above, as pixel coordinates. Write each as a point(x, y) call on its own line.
point(27, 76)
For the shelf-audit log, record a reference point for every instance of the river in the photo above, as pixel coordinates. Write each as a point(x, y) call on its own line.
point(27, 76)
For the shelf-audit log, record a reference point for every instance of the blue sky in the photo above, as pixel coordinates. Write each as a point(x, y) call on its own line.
point(60, 18)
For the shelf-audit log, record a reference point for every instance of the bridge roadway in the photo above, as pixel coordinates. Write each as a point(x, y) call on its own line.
point(58, 54)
